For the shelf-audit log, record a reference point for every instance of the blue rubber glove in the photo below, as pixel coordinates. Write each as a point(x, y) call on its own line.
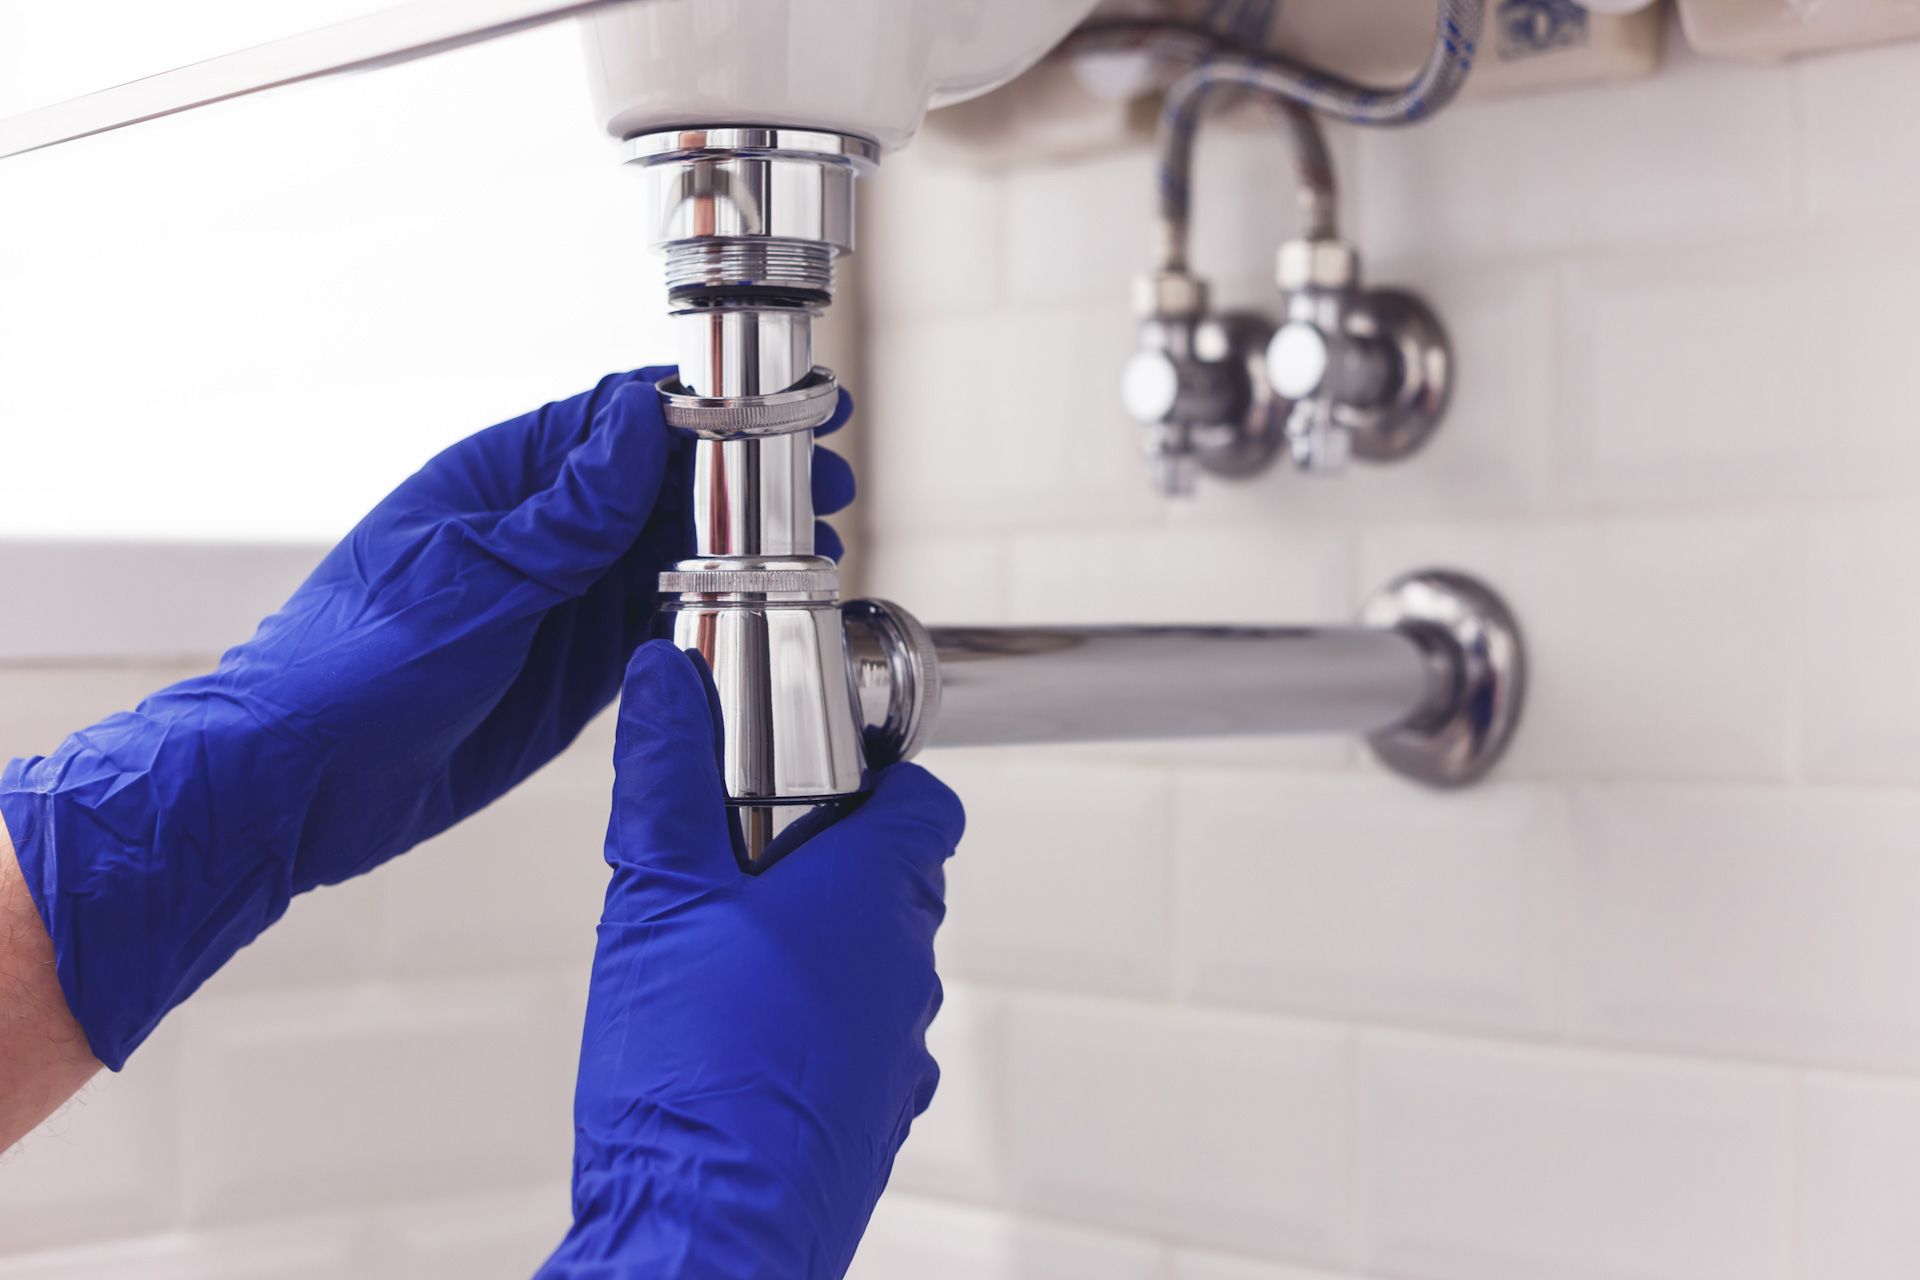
point(454, 642)
point(755, 1046)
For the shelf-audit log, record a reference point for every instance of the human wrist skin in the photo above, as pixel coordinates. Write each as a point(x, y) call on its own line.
point(43, 1052)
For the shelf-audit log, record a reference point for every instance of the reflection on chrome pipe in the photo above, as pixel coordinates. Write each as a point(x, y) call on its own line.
point(1089, 684)
point(754, 497)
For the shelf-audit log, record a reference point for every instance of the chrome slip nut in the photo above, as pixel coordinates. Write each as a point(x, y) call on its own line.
point(803, 408)
point(1298, 360)
point(1316, 264)
point(782, 579)
point(1169, 295)
point(750, 582)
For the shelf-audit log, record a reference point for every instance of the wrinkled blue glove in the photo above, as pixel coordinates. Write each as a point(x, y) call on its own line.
point(454, 642)
point(755, 1046)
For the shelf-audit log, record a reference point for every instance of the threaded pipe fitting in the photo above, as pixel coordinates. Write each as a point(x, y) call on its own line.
point(738, 267)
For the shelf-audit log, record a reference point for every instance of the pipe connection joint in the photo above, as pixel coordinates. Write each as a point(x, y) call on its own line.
point(752, 220)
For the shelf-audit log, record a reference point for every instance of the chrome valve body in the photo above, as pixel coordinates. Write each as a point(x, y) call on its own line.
point(1348, 373)
point(1367, 372)
point(1197, 385)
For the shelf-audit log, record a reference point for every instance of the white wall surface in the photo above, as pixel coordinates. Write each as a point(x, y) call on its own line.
point(1645, 1008)
point(252, 320)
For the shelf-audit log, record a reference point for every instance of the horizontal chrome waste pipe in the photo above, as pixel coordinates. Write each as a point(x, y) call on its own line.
point(1093, 684)
point(1434, 675)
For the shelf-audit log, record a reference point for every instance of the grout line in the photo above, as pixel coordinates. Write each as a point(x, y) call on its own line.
point(1174, 809)
point(1798, 572)
point(1358, 1251)
point(106, 663)
point(1547, 1044)
point(1798, 144)
point(1565, 873)
point(1797, 1162)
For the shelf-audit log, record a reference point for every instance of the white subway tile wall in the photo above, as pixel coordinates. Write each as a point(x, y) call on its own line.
point(1861, 1153)
point(1499, 1162)
point(1645, 1008)
point(1203, 1128)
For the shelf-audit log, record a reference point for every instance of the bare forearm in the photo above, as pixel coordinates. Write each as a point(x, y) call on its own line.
point(44, 1057)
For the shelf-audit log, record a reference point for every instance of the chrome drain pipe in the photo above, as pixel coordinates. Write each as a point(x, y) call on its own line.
point(814, 693)
point(1093, 684)
point(1434, 675)
point(751, 220)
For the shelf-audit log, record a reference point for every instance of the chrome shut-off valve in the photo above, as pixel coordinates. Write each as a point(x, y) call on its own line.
point(1364, 373)
point(1196, 385)
point(1347, 372)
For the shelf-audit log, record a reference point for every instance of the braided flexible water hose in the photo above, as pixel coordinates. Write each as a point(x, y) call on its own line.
point(1298, 91)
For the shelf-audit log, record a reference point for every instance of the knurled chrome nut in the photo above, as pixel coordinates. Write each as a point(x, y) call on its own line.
point(805, 407)
point(1169, 295)
point(1316, 264)
point(759, 582)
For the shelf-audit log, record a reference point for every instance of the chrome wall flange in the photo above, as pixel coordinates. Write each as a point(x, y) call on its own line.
point(1467, 626)
point(1421, 388)
point(895, 675)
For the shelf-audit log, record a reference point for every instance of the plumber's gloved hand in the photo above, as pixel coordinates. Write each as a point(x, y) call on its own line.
point(755, 1045)
point(459, 637)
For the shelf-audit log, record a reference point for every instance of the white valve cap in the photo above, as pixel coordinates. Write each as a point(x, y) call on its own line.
point(1297, 361)
point(1150, 386)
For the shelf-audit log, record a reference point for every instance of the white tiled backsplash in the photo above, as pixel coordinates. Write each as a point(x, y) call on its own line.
point(1646, 1007)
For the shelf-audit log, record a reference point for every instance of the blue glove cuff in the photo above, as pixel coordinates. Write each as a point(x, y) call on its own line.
point(115, 834)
